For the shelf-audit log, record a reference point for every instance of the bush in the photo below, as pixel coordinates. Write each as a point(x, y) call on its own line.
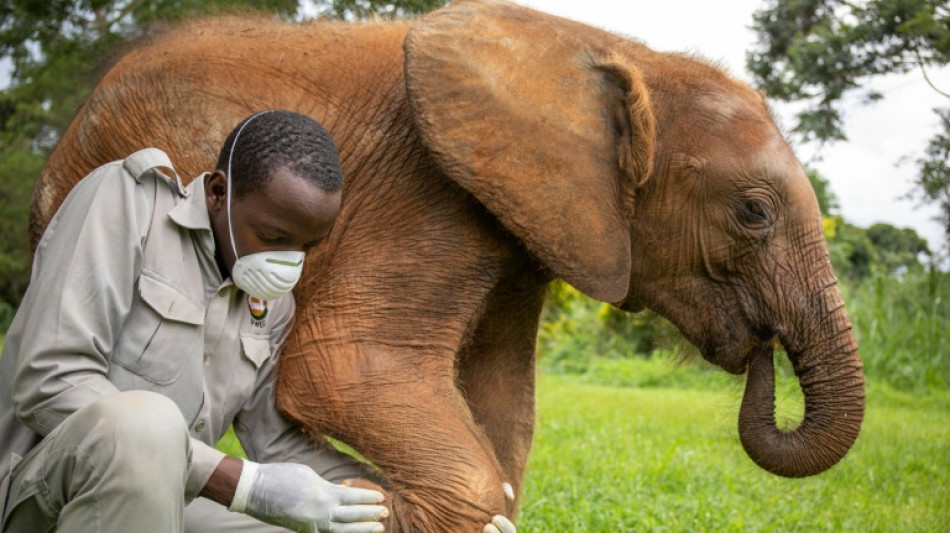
point(577, 332)
point(899, 321)
point(6, 317)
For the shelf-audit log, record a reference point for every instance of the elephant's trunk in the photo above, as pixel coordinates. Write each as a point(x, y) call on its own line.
point(829, 372)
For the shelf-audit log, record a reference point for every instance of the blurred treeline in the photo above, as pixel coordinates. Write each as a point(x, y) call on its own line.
point(898, 299)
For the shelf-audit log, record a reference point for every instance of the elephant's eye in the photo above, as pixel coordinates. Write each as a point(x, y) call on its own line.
point(755, 213)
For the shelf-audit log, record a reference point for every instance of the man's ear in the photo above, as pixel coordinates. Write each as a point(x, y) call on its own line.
point(216, 191)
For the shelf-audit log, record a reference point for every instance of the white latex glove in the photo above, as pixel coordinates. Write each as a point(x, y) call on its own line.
point(295, 497)
point(499, 524)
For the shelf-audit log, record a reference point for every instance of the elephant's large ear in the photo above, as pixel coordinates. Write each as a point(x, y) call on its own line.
point(543, 124)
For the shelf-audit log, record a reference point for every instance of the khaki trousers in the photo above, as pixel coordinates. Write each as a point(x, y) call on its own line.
point(118, 465)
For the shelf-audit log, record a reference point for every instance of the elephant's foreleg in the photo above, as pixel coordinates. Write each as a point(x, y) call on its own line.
point(403, 412)
point(497, 369)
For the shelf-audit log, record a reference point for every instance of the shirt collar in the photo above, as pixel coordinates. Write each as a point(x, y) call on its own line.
point(192, 212)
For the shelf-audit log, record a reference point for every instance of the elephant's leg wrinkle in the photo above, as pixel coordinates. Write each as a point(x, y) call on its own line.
point(442, 473)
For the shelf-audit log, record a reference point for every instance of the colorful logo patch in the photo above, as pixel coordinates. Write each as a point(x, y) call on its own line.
point(258, 309)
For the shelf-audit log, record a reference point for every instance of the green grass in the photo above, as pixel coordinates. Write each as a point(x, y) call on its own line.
point(230, 444)
point(659, 459)
point(901, 327)
point(660, 453)
point(628, 440)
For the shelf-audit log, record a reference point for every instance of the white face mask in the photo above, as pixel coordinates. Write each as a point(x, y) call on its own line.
point(267, 275)
point(264, 275)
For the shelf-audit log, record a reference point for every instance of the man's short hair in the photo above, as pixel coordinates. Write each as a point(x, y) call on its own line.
point(278, 138)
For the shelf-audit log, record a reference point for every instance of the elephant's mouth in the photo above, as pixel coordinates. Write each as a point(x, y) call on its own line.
point(735, 357)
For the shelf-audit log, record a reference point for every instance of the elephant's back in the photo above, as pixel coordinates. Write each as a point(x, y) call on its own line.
point(184, 89)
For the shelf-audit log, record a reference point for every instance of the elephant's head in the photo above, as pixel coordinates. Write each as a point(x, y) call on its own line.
point(653, 180)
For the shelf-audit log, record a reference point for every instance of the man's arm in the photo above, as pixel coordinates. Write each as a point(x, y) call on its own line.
point(279, 485)
point(269, 437)
point(223, 481)
point(80, 293)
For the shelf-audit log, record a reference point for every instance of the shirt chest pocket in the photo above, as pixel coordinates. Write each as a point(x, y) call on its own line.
point(256, 348)
point(162, 333)
point(255, 351)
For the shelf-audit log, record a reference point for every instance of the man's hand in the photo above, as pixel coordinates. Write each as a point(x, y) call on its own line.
point(295, 497)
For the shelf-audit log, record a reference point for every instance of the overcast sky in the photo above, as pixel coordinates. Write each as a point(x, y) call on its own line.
point(863, 171)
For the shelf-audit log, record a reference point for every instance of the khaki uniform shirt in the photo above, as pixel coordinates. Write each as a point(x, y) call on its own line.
point(125, 294)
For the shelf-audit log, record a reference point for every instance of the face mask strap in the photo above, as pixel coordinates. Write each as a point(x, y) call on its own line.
point(230, 157)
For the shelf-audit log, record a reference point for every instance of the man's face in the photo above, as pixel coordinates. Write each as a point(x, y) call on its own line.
point(289, 213)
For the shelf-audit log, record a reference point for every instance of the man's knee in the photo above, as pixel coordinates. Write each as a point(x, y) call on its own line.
point(136, 425)
point(130, 447)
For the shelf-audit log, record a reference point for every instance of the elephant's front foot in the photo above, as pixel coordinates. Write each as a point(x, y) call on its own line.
point(413, 511)
point(421, 511)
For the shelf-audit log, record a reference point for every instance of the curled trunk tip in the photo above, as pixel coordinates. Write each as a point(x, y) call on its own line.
point(834, 410)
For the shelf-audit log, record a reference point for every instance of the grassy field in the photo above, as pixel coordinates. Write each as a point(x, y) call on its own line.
point(649, 445)
point(660, 459)
point(660, 453)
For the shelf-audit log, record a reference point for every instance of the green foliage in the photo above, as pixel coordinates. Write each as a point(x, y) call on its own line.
point(827, 199)
point(661, 369)
point(818, 51)
point(852, 252)
point(900, 324)
point(897, 248)
point(934, 179)
point(15, 192)
point(626, 459)
point(899, 318)
point(857, 252)
point(387, 9)
point(576, 332)
point(230, 445)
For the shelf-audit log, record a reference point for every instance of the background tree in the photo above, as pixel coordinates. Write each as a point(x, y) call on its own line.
point(827, 199)
point(934, 179)
point(358, 9)
point(897, 248)
point(857, 252)
point(57, 51)
point(818, 51)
